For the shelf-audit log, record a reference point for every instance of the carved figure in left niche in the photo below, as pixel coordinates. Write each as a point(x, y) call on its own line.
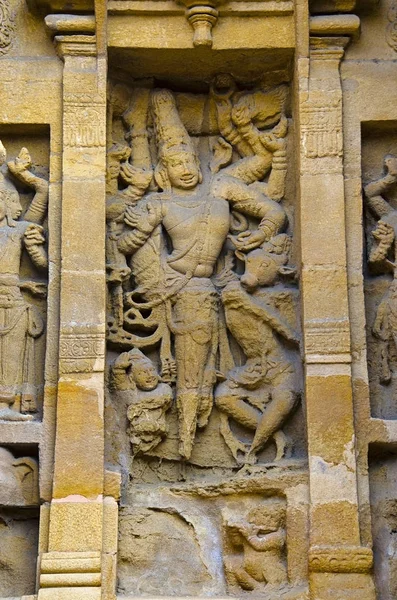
point(259, 543)
point(134, 373)
point(262, 393)
point(20, 322)
point(383, 253)
point(196, 218)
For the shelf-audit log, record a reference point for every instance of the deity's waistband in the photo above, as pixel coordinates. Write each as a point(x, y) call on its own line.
point(200, 284)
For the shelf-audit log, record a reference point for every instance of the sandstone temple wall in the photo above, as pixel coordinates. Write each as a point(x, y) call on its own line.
point(198, 313)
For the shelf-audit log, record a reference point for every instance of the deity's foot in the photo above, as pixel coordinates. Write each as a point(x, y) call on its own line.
point(7, 414)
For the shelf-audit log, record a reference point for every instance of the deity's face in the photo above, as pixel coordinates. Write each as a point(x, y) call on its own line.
point(145, 376)
point(391, 164)
point(9, 204)
point(182, 170)
point(14, 205)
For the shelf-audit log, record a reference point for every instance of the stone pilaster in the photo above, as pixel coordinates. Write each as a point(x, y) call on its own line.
point(338, 563)
point(71, 567)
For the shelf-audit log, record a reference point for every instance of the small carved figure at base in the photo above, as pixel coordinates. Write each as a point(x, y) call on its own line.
point(133, 372)
point(260, 540)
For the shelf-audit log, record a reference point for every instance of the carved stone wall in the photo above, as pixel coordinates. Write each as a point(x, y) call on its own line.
point(197, 309)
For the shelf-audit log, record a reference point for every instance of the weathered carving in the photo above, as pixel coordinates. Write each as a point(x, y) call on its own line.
point(7, 26)
point(20, 322)
point(172, 270)
point(134, 373)
point(259, 544)
point(19, 533)
point(383, 255)
point(19, 480)
point(391, 30)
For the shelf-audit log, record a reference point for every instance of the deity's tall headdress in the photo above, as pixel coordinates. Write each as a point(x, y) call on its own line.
point(171, 134)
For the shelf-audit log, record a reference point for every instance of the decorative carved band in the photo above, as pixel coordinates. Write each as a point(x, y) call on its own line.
point(83, 127)
point(348, 559)
point(322, 130)
point(79, 352)
point(327, 337)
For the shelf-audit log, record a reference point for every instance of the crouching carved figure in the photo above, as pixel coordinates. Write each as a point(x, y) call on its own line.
point(259, 543)
point(261, 394)
point(133, 372)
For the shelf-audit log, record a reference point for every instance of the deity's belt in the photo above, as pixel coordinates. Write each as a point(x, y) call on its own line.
point(10, 293)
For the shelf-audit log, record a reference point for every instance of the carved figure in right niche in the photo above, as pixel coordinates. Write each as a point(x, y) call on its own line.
point(20, 322)
point(261, 394)
point(383, 255)
point(259, 544)
point(134, 373)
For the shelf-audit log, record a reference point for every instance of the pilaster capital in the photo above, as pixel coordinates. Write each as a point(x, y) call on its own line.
point(75, 45)
point(74, 34)
point(328, 48)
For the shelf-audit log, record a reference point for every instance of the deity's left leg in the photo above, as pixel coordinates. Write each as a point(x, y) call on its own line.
point(194, 330)
point(283, 401)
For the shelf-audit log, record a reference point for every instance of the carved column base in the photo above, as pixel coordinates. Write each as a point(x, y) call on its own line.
point(341, 586)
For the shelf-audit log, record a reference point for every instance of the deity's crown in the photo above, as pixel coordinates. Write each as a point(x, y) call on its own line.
point(171, 134)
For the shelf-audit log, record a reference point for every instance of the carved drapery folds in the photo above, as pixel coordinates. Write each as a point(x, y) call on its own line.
point(200, 280)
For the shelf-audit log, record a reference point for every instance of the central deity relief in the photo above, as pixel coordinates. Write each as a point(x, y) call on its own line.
point(197, 253)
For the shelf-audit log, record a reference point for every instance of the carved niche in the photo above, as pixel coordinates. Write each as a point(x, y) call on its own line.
point(203, 337)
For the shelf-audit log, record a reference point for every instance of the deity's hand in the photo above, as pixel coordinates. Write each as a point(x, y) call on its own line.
point(249, 240)
point(241, 115)
point(272, 142)
point(123, 361)
point(34, 236)
point(383, 232)
point(22, 163)
point(135, 176)
point(139, 219)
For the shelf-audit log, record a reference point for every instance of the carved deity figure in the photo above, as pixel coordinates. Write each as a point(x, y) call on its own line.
point(195, 218)
point(262, 393)
point(20, 322)
point(259, 541)
point(134, 373)
point(383, 252)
